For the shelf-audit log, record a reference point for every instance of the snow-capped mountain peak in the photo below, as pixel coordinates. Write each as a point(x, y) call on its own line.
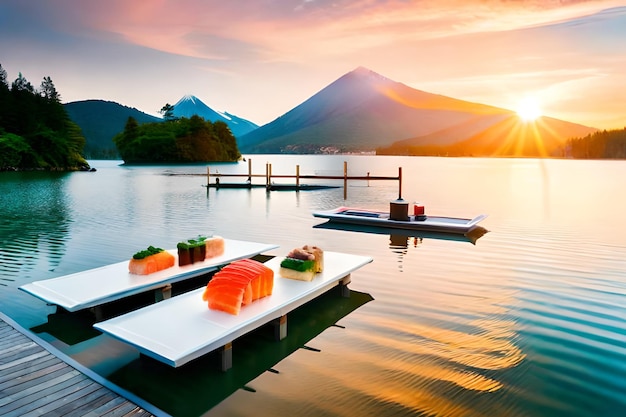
point(190, 105)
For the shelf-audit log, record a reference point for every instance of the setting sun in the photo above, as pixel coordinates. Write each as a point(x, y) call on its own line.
point(528, 109)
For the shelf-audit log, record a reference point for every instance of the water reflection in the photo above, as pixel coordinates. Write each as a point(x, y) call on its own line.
point(34, 226)
point(400, 240)
point(528, 321)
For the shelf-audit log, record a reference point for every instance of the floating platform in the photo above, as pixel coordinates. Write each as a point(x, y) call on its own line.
point(95, 287)
point(183, 328)
point(271, 187)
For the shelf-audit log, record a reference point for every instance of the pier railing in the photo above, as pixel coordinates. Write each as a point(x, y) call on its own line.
point(269, 176)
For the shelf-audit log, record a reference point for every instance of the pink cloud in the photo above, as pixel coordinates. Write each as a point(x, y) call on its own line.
point(479, 50)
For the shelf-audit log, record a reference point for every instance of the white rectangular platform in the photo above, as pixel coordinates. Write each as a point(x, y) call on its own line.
point(98, 286)
point(183, 328)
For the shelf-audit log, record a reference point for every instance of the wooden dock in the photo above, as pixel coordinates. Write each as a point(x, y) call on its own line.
point(38, 379)
point(269, 185)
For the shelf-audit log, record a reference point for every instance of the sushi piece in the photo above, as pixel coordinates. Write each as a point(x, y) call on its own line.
point(199, 248)
point(238, 284)
point(150, 260)
point(214, 246)
point(318, 257)
point(298, 269)
point(263, 282)
point(184, 253)
point(302, 263)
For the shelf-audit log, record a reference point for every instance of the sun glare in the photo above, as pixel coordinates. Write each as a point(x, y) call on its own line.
point(528, 109)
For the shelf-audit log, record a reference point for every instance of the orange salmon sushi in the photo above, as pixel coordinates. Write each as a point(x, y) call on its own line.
point(151, 264)
point(238, 283)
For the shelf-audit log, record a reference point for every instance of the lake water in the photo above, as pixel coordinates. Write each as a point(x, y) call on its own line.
point(530, 320)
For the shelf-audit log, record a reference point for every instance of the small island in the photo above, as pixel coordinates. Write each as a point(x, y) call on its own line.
point(176, 140)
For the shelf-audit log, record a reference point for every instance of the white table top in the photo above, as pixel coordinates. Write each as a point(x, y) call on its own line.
point(112, 282)
point(180, 329)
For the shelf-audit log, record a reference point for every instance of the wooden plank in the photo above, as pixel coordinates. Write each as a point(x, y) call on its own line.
point(44, 381)
point(20, 352)
point(30, 369)
point(91, 401)
point(21, 377)
point(39, 388)
point(68, 392)
point(22, 360)
point(36, 379)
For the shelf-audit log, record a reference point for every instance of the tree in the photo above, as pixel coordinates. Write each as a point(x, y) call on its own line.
point(187, 140)
point(4, 83)
point(49, 91)
point(168, 112)
point(5, 99)
point(14, 151)
point(22, 84)
point(228, 141)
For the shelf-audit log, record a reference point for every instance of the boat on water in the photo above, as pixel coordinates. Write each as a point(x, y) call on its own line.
point(402, 235)
point(404, 221)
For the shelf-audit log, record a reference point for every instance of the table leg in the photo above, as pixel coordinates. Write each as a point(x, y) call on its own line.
point(226, 357)
point(343, 286)
point(163, 293)
point(280, 327)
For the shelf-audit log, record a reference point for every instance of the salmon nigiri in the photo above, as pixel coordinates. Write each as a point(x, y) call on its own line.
point(238, 283)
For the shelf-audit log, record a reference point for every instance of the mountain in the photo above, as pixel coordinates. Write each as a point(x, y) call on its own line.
point(99, 121)
point(191, 105)
point(365, 111)
point(506, 136)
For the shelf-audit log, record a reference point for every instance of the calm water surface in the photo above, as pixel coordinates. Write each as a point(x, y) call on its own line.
point(528, 321)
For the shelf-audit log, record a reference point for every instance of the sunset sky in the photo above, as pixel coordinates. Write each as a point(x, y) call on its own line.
point(258, 59)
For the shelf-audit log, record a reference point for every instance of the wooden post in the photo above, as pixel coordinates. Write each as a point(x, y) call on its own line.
point(268, 176)
point(399, 183)
point(250, 172)
point(345, 180)
point(208, 180)
point(297, 177)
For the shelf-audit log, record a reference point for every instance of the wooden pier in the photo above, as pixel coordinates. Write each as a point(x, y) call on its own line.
point(37, 379)
point(269, 176)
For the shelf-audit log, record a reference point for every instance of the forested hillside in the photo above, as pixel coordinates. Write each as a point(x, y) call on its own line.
point(177, 140)
point(35, 130)
point(607, 144)
point(100, 121)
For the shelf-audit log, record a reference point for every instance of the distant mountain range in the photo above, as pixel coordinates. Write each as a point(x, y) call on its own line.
point(99, 121)
point(362, 111)
point(191, 105)
point(365, 111)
